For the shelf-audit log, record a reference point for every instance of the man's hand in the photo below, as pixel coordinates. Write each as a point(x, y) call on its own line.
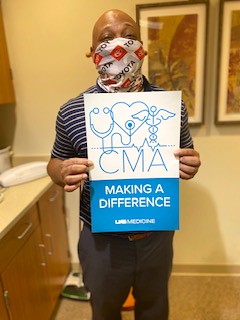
point(69, 173)
point(189, 162)
point(74, 171)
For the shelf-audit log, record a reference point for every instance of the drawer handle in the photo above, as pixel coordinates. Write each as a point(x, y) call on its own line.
point(42, 246)
point(25, 231)
point(49, 236)
point(6, 297)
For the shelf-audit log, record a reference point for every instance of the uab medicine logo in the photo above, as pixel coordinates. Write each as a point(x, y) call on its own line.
point(135, 221)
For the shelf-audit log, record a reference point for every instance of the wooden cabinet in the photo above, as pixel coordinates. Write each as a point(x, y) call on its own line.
point(53, 224)
point(25, 285)
point(34, 261)
point(6, 85)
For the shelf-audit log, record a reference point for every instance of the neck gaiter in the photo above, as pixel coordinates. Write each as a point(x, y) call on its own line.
point(119, 63)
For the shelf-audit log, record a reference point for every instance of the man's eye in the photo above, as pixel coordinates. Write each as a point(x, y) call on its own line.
point(131, 36)
point(106, 38)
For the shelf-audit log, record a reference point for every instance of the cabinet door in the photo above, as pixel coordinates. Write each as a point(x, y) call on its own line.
point(6, 86)
point(25, 283)
point(55, 238)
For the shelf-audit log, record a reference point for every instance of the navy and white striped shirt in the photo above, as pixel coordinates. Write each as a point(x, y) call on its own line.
point(71, 140)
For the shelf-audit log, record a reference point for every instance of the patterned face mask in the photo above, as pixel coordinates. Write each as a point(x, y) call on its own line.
point(119, 63)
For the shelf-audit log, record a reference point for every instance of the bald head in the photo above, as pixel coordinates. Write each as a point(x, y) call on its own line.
point(114, 24)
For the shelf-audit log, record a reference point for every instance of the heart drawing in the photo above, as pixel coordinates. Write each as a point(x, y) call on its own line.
point(135, 115)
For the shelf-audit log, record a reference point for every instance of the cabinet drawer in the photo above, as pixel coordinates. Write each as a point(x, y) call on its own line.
point(17, 236)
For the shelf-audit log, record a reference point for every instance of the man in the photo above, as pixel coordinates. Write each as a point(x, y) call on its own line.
point(113, 263)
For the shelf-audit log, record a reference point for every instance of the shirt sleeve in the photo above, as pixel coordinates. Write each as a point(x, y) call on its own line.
point(185, 136)
point(62, 147)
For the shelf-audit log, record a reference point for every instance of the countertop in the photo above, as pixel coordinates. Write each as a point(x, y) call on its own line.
point(18, 199)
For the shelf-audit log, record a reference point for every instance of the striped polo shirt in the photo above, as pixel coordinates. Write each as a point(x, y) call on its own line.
point(71, 142)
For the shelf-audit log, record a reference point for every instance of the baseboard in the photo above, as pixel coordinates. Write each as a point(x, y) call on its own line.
point(206, 269)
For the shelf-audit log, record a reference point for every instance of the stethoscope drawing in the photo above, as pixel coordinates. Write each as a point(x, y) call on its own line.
point(101, 134)
point(152, 117)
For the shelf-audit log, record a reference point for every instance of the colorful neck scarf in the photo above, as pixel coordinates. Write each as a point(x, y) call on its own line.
point(119, 63)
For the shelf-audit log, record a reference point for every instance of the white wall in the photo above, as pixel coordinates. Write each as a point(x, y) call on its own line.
point(47, 43)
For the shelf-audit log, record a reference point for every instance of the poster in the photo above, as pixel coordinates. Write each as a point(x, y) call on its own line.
point(134, 183)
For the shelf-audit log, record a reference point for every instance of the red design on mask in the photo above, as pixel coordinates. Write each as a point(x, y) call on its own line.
point(140, 53)
point(118, 53)
point(109, 82)
point(97, 58)
point(126, 83)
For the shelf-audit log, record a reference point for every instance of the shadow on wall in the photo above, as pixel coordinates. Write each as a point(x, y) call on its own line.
point(7, 125)
point(199, 241)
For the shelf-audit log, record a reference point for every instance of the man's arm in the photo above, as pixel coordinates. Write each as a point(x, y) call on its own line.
point(189, 162)
point(69, 173)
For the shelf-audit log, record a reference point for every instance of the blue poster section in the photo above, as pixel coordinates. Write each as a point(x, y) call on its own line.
point(135, 205)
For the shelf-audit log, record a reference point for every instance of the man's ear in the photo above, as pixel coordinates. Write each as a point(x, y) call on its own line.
point(90, 54)
point(145, 52)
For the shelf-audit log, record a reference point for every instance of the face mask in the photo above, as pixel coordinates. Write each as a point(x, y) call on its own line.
point(119, 63)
